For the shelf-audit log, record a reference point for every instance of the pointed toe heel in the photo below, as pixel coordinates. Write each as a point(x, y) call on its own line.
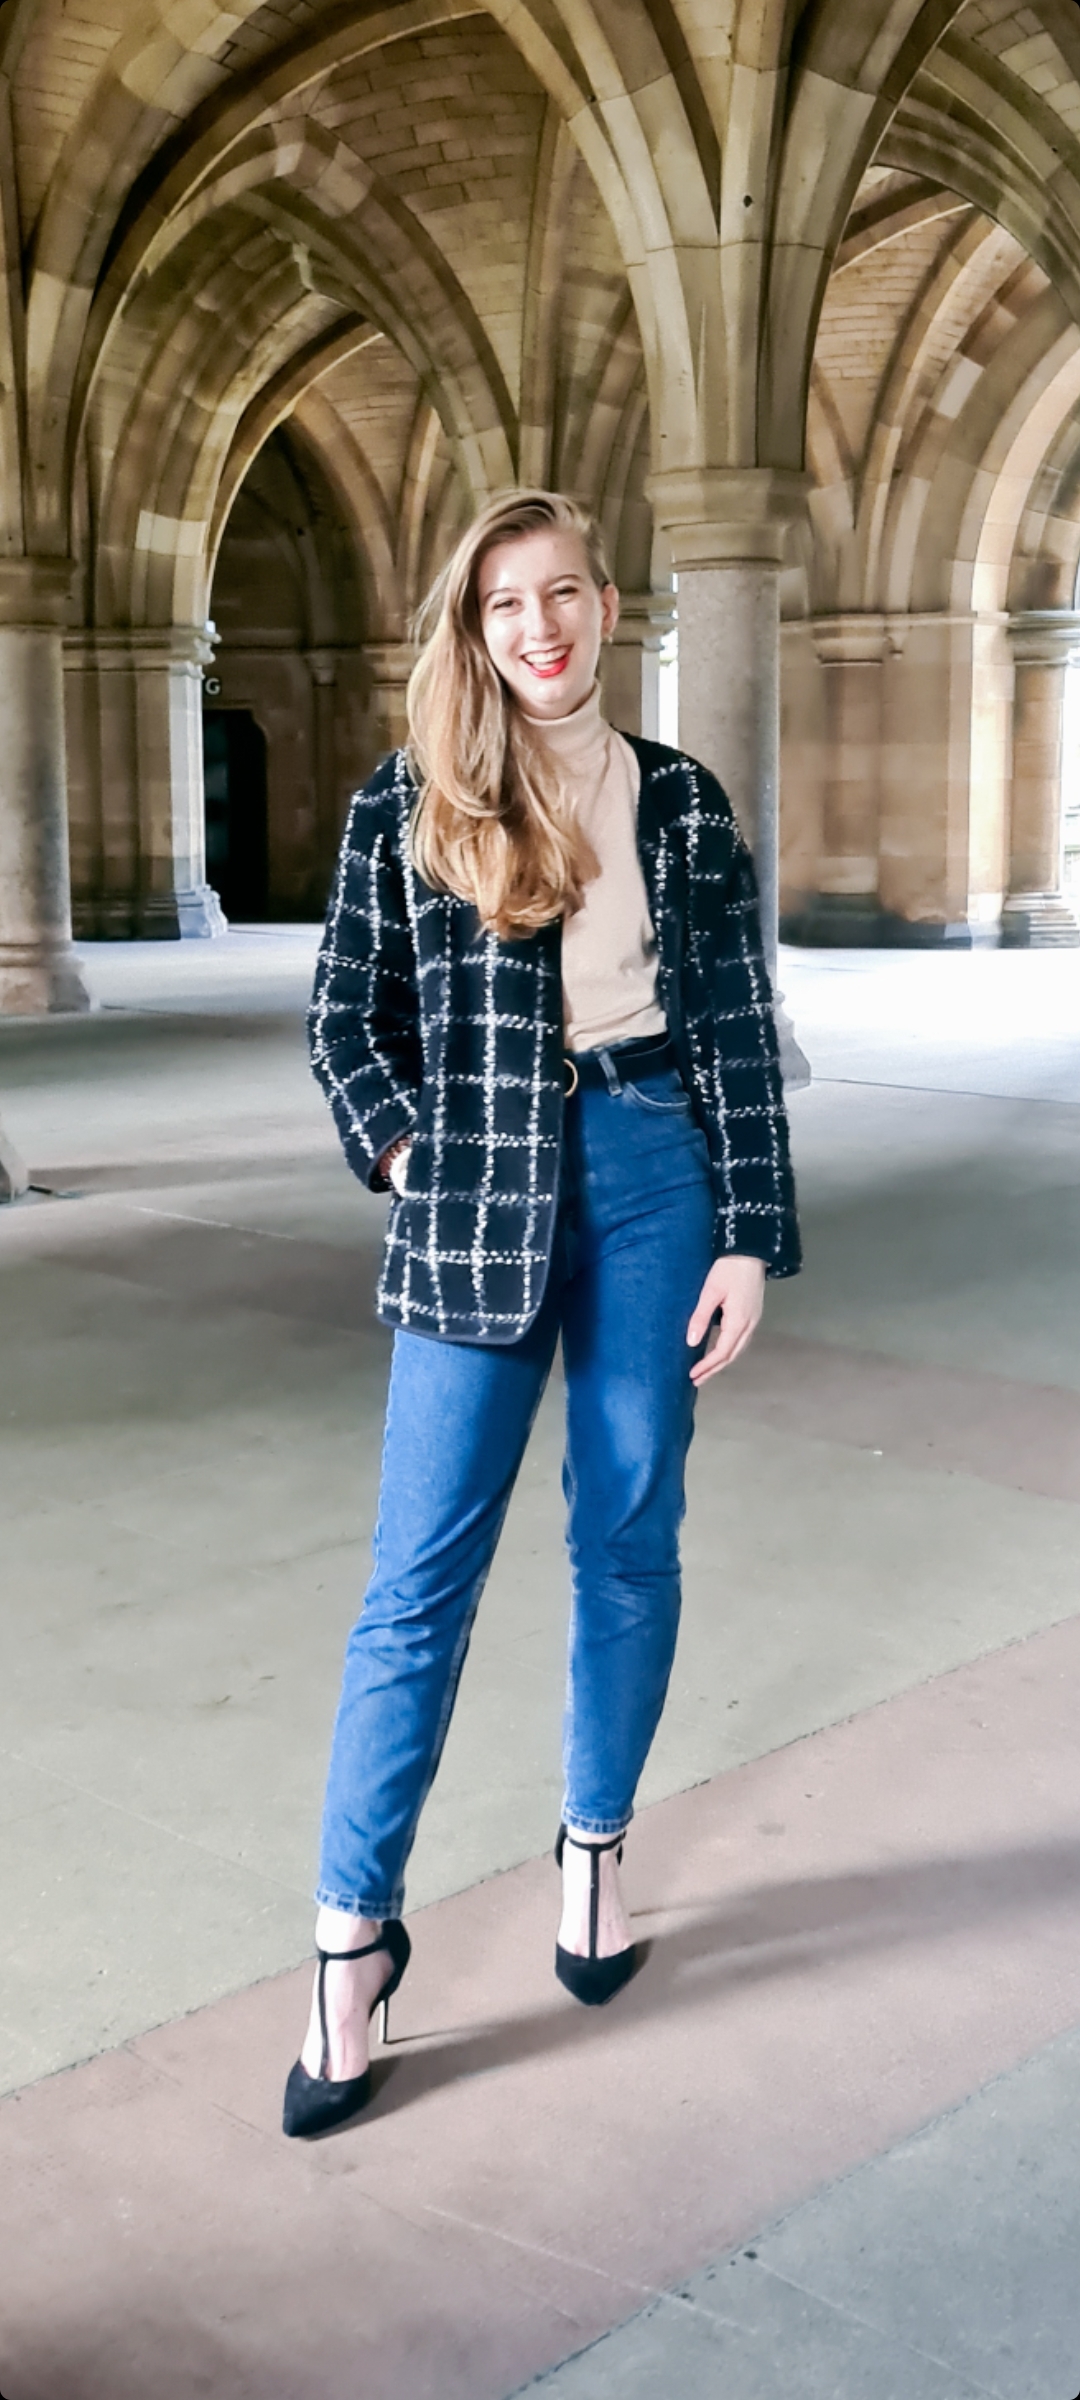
point(315, 2104)
point(592, 1980)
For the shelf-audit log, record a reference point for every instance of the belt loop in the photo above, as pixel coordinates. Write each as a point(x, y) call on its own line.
point(611, 1073)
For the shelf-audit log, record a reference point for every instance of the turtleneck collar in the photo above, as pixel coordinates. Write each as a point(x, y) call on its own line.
point(578, 742)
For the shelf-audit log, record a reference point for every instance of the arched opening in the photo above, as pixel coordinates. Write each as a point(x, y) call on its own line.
point(286, 736)
point(234, 781)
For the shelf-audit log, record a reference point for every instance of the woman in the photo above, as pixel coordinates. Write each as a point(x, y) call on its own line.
point(541, 1013)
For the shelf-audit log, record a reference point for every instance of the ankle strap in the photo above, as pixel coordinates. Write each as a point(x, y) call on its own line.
point(594, 1848)
point(330, 1957)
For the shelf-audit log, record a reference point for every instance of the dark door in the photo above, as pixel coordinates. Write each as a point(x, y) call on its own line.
point(237, 850)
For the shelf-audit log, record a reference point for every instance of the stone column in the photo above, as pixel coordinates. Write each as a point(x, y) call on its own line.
point(845, 907)
point(1035, 915)
point(726, 529)
point(38, 968)
point(322, 667)
point(135, 725)
point(175, 901)
point(630, 667)
point(389, 665)
point(942, 796)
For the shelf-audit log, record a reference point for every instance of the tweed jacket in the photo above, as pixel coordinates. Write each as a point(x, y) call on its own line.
point(422, 1024)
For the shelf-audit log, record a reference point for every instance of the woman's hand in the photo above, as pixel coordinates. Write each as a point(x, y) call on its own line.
point(735, 1286)
point(394, 1163)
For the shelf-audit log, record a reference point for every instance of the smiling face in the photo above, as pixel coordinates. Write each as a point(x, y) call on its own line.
point(543, 619)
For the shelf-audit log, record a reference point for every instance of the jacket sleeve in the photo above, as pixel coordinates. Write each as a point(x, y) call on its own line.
point(731, 1033)
point(363, 1022)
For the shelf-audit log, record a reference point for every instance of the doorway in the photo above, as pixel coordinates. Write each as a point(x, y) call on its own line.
point(237, 845)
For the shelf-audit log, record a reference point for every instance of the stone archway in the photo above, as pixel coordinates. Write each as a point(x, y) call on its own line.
point(450, 247)
point(288, 608)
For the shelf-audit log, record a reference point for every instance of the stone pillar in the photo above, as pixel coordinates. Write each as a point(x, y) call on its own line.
point(845, 906)
point(389, 665)
point(1035, 915)
point(176, 900)
point(322, 666)
point(38, 968)
point(726, 529)
point(944, 779)
point(630, 666)
point(135, 730)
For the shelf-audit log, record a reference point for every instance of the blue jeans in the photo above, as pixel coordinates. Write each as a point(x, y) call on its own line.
point(633, 1244)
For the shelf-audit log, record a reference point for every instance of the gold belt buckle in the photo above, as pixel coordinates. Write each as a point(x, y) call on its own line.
point(571, 1087)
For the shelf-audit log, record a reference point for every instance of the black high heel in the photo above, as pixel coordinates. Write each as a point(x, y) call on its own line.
point(593, 1980)
point(313, 2103)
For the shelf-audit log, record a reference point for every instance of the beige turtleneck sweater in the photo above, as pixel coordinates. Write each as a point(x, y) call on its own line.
point(609, 946)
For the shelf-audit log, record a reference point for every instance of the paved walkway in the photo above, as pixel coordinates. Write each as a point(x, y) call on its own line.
point(858, 1863)
point(943, 2270)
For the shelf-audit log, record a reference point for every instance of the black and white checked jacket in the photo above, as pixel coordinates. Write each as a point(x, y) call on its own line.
point(422, 1024)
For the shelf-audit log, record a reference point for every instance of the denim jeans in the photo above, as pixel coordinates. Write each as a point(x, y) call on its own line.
point(632, 1247)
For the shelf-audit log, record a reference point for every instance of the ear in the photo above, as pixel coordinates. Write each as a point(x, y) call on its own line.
point(609, 610)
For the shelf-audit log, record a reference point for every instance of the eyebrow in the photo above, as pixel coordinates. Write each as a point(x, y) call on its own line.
point(512, 591)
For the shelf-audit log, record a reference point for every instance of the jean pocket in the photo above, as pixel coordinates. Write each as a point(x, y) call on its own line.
point(663, 1095)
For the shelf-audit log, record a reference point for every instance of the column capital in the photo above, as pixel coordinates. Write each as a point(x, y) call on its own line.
point(390, 662)
point(323, 668)
point(1044, 637)
point(36, 591)
point(109, 646)
point(858, 639)
point(723, 516)
point(644, 619)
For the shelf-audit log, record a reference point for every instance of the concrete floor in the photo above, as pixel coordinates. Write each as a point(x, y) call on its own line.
point(885, 1492)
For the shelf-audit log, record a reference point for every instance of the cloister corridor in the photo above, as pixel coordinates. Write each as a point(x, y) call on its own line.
point(788, 294)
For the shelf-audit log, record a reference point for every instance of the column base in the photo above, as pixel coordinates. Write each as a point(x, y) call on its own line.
point(1038, 921)
point(856, 921)
point(195, 915)
point(834, 921)
point(200, 914)
point(14, 1178)
point(96, 920)
point(794, 1064)
point(37, 984)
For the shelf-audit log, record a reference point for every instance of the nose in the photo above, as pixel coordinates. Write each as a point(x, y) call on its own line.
point(541, 619)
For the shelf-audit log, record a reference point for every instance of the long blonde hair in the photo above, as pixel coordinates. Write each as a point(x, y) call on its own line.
point(491, 823)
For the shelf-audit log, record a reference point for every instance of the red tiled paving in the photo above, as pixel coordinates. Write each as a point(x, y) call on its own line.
point(848, 1936)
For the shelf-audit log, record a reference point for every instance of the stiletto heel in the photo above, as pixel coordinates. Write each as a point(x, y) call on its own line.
point(315, 2104)
point(593, 1980)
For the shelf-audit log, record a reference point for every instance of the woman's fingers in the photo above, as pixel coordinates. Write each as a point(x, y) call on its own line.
point(732, 1337)
point(721, 1356)
point(736, 1288)
point(714, 1293)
